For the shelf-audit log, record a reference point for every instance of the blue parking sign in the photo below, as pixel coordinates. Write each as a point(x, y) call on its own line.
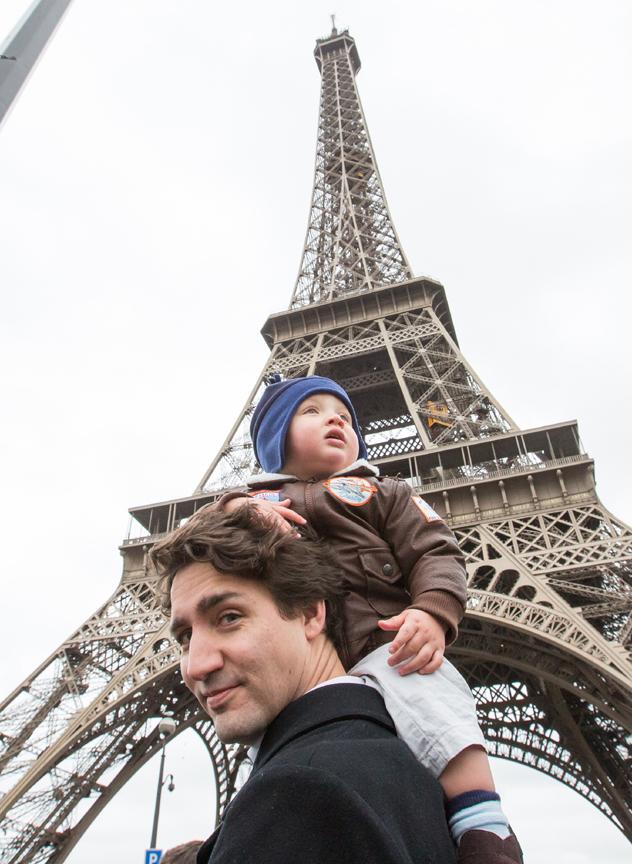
point(153, 856)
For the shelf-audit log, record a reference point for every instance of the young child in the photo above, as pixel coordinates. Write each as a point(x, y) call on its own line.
point(406, 590)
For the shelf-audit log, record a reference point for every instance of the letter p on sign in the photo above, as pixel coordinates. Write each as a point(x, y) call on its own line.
point(153, 856)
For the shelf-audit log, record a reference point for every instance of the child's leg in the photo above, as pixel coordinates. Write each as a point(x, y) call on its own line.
point(470, 769)
point(436, 716)
point(473, 807)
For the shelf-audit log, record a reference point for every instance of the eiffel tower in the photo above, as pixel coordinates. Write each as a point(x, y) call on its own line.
point(546, 641)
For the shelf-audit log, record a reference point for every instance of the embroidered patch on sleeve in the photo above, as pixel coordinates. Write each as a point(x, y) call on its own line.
point(266, 494)
point(355, 491)
point(427, 511)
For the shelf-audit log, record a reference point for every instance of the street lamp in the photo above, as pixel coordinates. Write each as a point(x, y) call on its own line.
point(166, 727)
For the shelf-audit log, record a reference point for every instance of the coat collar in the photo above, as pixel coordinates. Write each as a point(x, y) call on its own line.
point(360, 468)
point(318, 708)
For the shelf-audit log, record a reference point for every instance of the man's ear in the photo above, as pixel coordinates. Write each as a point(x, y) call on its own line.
point(314, 617)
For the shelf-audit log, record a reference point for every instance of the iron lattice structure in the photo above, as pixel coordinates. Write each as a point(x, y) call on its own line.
point(546, 641)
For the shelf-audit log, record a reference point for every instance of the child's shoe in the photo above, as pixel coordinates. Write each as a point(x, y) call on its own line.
point(483, 847)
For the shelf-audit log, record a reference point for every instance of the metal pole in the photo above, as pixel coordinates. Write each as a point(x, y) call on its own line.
point(22, 49)
point(154, 830)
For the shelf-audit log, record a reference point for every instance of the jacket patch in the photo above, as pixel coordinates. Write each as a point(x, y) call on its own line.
point(355, 491)
point(266, 494)
point(427, 511)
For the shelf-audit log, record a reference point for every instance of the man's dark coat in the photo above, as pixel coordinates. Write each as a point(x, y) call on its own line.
point(332, 784)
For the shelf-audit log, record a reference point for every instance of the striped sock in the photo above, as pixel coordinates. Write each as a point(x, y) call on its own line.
point(476, 810)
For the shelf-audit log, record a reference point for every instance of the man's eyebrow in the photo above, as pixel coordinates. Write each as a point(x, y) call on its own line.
point(212, 600)
point(203, 605)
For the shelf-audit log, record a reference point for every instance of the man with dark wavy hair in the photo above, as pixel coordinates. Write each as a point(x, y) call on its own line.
point(257, 612)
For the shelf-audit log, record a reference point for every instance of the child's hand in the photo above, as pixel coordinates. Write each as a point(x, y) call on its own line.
point(420, 640)
point(273, 512)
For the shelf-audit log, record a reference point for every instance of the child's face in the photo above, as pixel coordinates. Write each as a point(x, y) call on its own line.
point(320, 439)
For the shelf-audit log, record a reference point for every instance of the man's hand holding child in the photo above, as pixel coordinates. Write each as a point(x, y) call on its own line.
point(420, 641)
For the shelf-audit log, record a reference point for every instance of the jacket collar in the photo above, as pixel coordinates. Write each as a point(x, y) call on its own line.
point(318, 708)
point(359, 468)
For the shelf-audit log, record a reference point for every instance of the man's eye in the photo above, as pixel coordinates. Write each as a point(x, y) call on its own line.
point(311, 410)
point(229, 617)
point(183, 639)
point(345, 417)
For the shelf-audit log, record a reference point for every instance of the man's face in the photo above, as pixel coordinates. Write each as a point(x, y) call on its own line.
point(320, 439)
point(243, 662)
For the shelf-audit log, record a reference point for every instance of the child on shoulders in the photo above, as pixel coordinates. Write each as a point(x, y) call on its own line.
point(406, 590)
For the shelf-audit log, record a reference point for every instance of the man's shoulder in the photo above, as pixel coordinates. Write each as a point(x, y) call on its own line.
point(342, 736)
point(347, 757)
point(356, 773)
point(327, 713)
point(355, 801)
point(331, 769)
point(342, 783)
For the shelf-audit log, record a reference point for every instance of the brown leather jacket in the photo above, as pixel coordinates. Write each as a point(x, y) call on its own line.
point(395, 552)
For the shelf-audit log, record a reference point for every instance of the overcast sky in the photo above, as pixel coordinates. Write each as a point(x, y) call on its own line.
point(155, 178)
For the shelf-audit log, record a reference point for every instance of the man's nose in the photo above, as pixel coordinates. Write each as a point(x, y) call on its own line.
point(336, 420)
point(203, 657)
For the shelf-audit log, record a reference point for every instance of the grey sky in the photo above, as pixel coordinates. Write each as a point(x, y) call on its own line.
point(155, 179)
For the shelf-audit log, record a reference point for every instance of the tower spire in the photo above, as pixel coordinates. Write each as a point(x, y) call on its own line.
point(351, 244)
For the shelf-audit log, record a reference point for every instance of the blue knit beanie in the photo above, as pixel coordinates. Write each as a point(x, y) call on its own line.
point(274, 413)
